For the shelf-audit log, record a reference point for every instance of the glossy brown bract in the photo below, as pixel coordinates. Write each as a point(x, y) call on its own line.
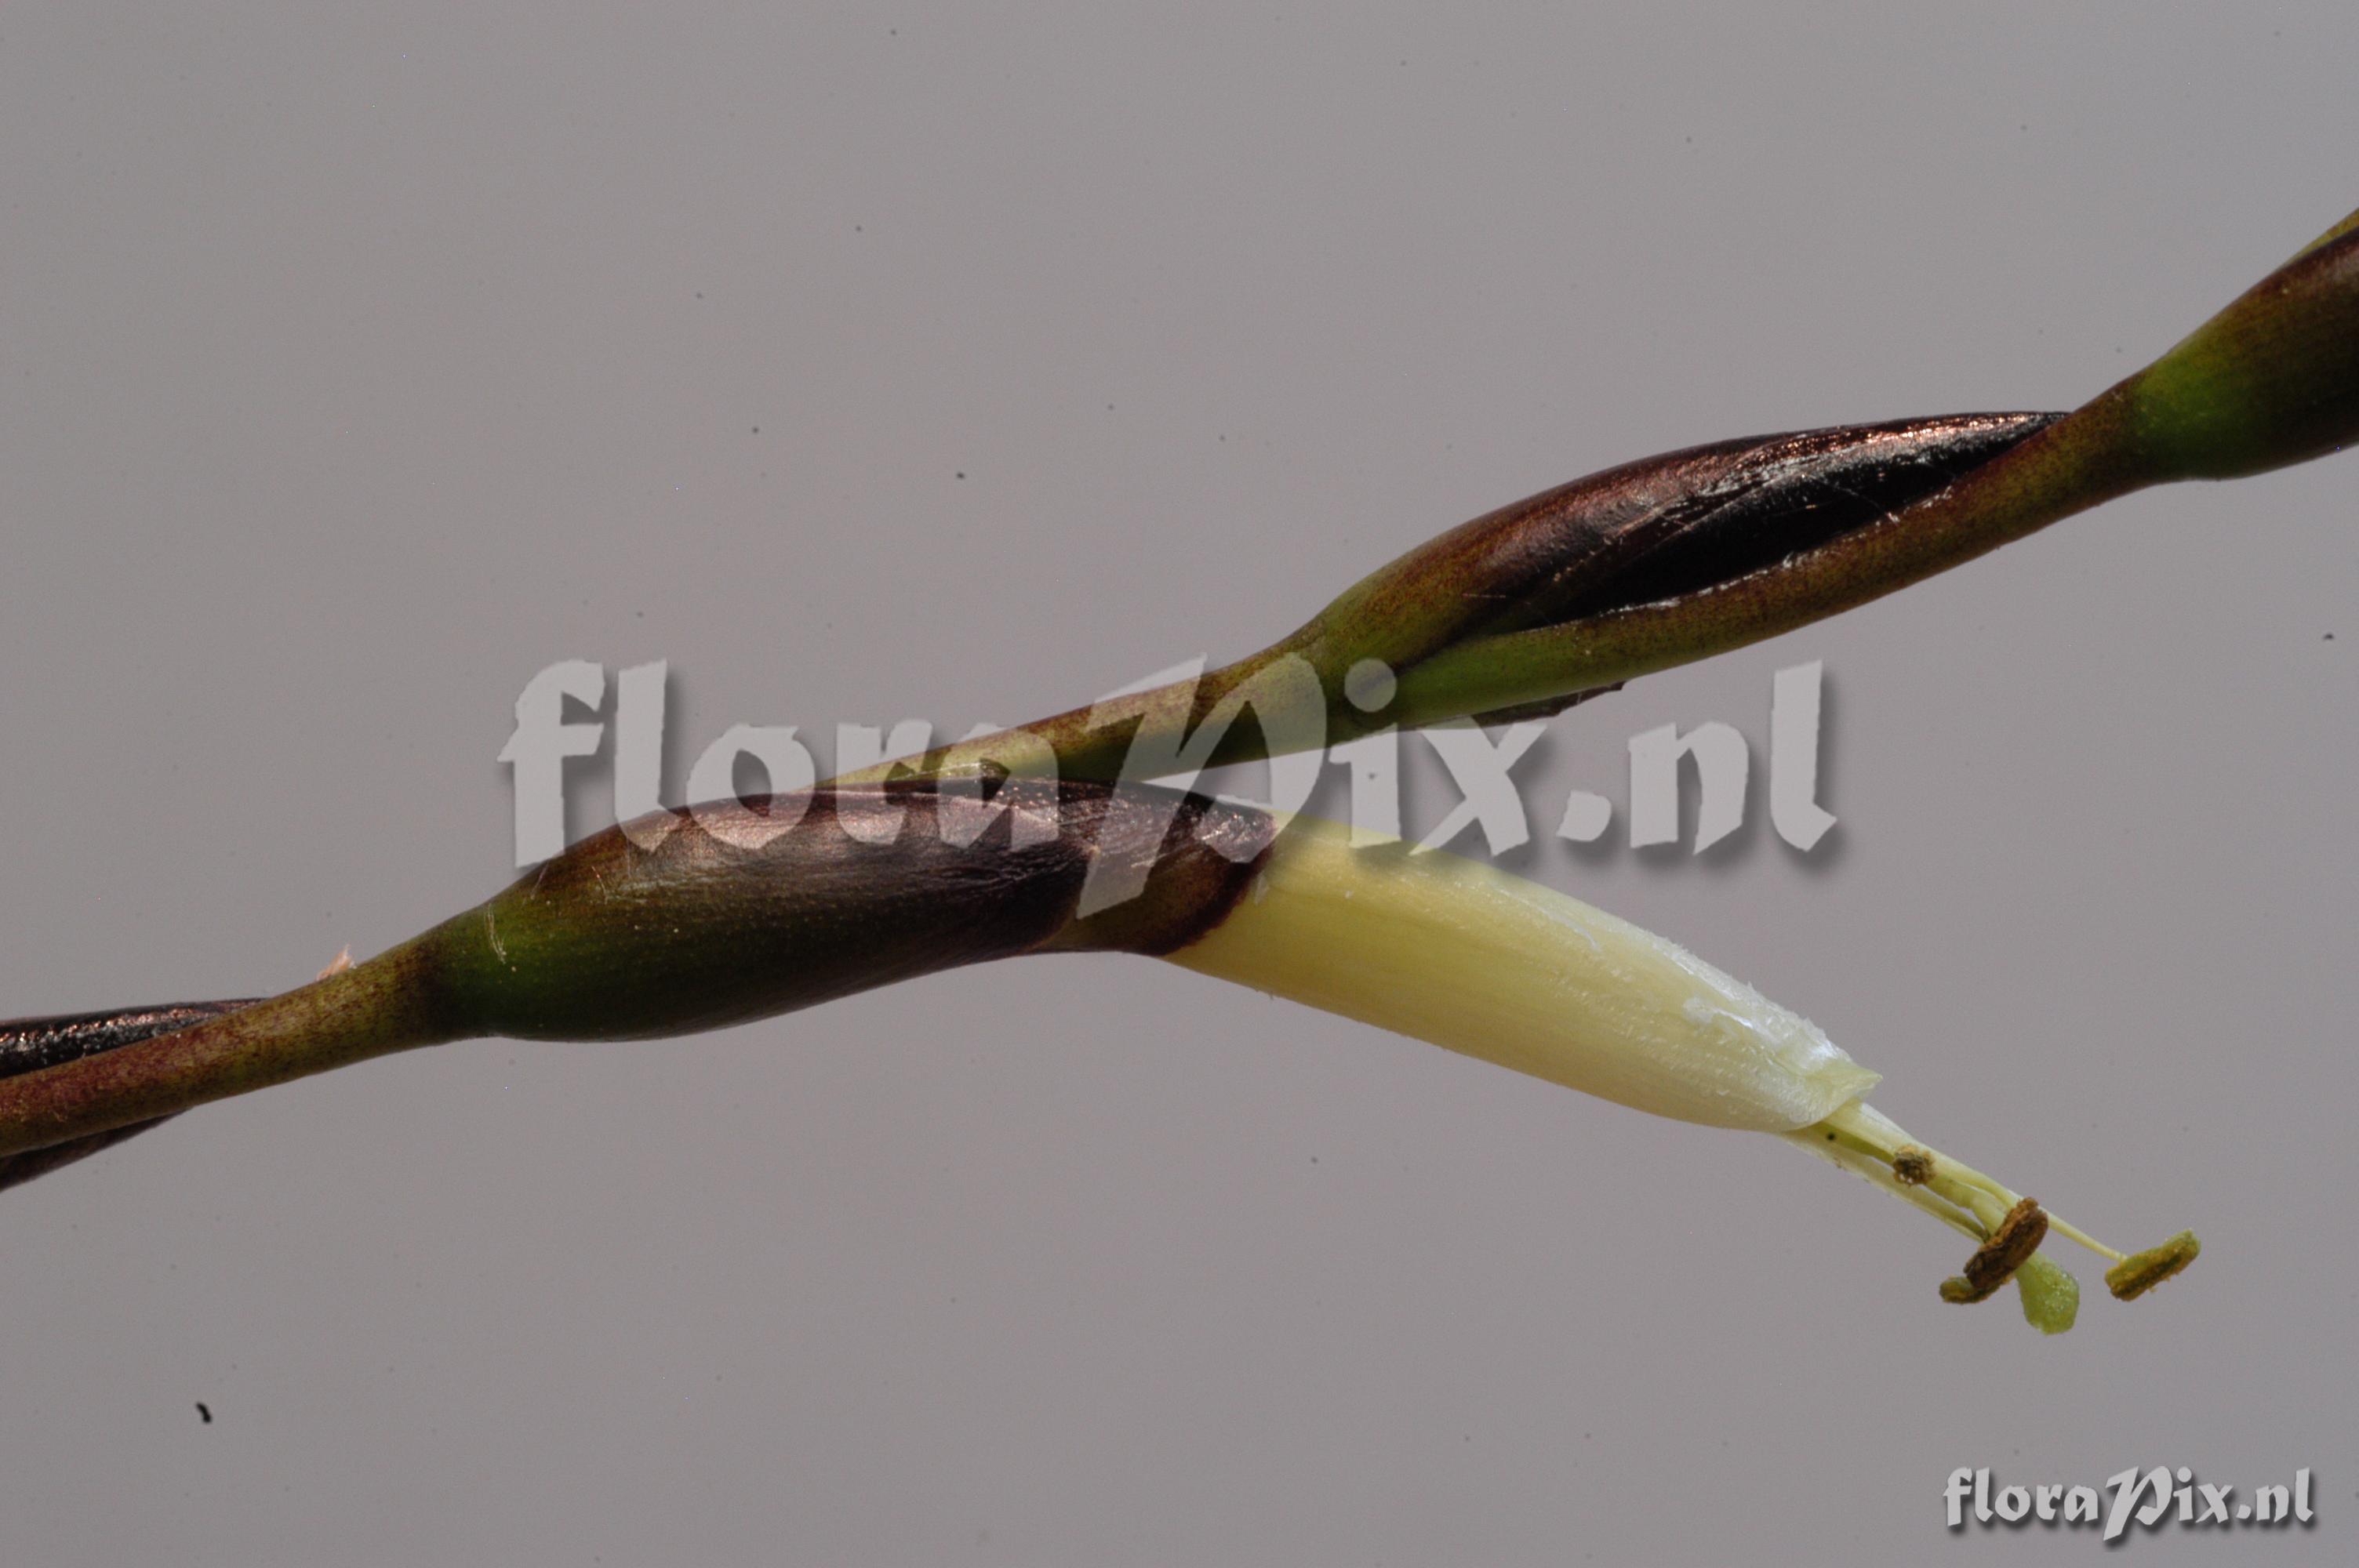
point(727, 916)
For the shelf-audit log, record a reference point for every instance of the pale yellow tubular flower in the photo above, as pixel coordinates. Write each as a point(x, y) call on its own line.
point(1456, 952)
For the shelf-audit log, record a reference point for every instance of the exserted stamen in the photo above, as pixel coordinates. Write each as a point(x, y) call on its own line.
point(2140, 1272)
point(2008, 1227)
point(2010, 1246)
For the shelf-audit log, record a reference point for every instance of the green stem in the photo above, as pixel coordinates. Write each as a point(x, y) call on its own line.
point(390, 1003)
point(2271, 380)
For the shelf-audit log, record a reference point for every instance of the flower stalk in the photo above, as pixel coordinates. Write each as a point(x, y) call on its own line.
point(1658, 563)
point(736, 913)
point(726, 914)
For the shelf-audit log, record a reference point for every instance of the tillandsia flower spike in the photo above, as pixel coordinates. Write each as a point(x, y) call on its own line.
point(738, 913)
point(1661, 562)
point(729, 913)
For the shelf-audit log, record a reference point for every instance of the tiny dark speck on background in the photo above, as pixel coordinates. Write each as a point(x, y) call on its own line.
point(204, 1412)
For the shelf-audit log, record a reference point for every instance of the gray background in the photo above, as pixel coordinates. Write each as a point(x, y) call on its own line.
point(357, 367)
